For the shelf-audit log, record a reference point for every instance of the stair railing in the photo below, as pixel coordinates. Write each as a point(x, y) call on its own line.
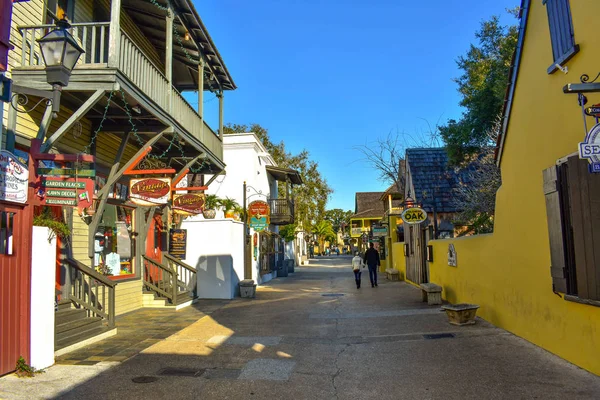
point(186, 274)
point(160, 279)
point(92, 291)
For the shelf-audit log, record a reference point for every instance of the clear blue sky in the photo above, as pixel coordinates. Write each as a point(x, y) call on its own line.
point(330, 75)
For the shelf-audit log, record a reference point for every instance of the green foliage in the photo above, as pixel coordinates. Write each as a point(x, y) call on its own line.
point(104, 269)
point(482, 87)
point(211, 201)
point(25, 370)
point(57, 227)
point(310, 197)
point(338, 218)
point(228, 204)
point(288, 232)
point(324, 231)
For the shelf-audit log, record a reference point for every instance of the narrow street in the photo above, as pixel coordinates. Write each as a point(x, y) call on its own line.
point(313, 335)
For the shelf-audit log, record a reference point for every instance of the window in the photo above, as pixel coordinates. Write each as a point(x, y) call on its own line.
point(6, 232)
point(561, 32)
point(114, 243)
point(572, 197)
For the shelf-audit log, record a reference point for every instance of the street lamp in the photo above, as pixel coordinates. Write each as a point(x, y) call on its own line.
point(60, 52)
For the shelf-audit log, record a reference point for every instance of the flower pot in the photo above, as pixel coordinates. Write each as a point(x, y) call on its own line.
point(229, 214)
point(461, 314)
point(209, 214)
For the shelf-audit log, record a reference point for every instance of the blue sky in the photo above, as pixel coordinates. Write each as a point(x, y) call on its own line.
point(332, 75)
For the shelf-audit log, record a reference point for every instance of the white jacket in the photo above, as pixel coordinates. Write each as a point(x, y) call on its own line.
point(357, 262)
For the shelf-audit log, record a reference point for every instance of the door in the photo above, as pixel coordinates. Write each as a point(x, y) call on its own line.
point(155, 238)
point(15, 284)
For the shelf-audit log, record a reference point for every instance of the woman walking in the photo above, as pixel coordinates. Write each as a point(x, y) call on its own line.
point(357, 263)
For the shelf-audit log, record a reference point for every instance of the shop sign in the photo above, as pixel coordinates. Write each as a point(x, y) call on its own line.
point(178, 243)
point(58, 191)
point(259, 224)
point(190, 203)
point(593, 111)
point(451, 255)
point(14, 178)
point(259, 209)
point(414, 215)
point(86, 173)
point(150, 191)
point(379, 231)
point(590, 148)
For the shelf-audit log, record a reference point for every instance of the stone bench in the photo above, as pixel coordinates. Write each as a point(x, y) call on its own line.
point(392, 274)
point(432, 293)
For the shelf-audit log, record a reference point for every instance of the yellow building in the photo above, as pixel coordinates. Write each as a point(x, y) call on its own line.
point(531, 276)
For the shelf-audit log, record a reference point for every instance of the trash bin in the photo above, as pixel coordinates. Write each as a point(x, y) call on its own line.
point(290, 266)
point(282, 269)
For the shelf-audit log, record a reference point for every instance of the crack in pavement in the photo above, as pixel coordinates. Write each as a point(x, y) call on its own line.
point(338, 369)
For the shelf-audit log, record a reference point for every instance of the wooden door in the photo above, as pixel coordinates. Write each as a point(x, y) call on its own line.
point(15, 284)
point(154, 240)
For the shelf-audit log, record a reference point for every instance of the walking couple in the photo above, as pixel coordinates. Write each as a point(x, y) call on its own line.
point(371, 259)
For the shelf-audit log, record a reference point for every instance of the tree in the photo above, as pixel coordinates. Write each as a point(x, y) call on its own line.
point(324, 231)
point(482, 86)
point(338, 218)
point(310, 197)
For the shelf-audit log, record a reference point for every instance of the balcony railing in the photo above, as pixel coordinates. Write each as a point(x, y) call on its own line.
point(282, 211)
point(133, 63)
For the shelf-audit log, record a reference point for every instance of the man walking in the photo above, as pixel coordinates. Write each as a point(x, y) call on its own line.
point(372, 261)
point(357, 263)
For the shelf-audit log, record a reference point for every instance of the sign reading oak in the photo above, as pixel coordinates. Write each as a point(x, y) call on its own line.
point(414, 215)
point(150, 191)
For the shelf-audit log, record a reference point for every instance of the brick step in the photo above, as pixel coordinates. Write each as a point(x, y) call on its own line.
point(62, 342)
point(77, 326)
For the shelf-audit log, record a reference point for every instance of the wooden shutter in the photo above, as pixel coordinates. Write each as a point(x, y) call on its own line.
point(584, 196)
point(561, 29)
point(555, 230)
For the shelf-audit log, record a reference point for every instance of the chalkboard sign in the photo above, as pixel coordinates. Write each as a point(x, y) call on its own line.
point(177, 243)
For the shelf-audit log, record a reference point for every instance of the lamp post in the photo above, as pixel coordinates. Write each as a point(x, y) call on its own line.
point(60, 52)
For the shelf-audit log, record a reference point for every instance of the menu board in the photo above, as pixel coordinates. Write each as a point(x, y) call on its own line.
point(178, 243)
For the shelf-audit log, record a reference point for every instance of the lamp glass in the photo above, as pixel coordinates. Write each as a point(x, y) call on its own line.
point(53, 47)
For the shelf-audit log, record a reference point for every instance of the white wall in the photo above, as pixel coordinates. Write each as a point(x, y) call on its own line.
point(215, 249)
point(43, 271)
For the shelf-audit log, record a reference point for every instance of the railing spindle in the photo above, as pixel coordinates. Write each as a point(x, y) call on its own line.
point(88, 55)
point(32, 46)
point(102, 37)
point(93, 49)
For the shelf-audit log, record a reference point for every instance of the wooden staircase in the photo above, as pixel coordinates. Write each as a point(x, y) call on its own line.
point(73, 325)
point(171, 284)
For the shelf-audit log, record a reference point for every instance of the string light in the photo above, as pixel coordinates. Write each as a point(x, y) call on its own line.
point(88, 148)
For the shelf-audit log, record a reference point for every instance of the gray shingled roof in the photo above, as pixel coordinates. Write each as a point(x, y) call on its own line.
point(368, 205)
point(433, 179)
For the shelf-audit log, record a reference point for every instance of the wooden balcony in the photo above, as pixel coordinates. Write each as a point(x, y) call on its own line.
point(282, 211)
point(126, 67)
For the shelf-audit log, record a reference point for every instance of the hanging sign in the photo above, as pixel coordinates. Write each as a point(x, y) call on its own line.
point(150, 191)
point(190, 203)
point(414, 215)
point(589, 149)
point(14, 178)
point(259, 215)
point(58, 191)
point(178, 243)
point(379, 231)
point(87, 173)
point(593, 111)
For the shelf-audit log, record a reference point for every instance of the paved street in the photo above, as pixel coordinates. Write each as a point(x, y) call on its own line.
point(312, 335)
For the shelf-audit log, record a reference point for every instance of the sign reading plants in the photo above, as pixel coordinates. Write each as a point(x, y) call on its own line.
point(14, 178)
point(150, 191)
point(414, 215)
point(259, 215)
point(189, 203)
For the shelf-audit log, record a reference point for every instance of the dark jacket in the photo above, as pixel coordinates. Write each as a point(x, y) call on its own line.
point(372, 257)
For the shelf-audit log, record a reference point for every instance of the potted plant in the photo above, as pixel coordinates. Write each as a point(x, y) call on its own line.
point(238, 212)
point(211, 202)
point(461, 314)
point(55, 226)
point(229, 206)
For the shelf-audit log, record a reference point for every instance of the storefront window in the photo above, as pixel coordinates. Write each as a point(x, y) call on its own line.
point(114, 242)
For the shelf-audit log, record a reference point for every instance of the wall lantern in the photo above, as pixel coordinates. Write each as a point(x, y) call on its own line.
point(60, 52)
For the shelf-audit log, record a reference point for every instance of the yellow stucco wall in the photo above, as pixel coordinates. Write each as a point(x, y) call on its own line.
point(399, 259)
point(508, 272)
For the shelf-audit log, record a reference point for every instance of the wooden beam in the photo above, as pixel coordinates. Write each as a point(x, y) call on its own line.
point(134, 160)
point(211, 180)
point(45, 123)
point(77, 115)
point(169, 54)
point(185, 170)
point(100, 210)
point(114, 34)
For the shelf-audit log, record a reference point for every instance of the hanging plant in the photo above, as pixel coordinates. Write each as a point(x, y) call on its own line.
point(56, 226)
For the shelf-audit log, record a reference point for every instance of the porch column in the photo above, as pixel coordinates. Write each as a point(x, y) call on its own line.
point(169, 53)
point(11, 129)
point(115, 34)
point(201, 88)
point(220, 96)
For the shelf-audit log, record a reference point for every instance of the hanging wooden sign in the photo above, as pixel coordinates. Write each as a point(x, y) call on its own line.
point(190, 203)
point(14, 178)
point(259, 215)
point(150, 191)
point(589, 149)
point(65, 191)
point(414, 215)
point(85, 173)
